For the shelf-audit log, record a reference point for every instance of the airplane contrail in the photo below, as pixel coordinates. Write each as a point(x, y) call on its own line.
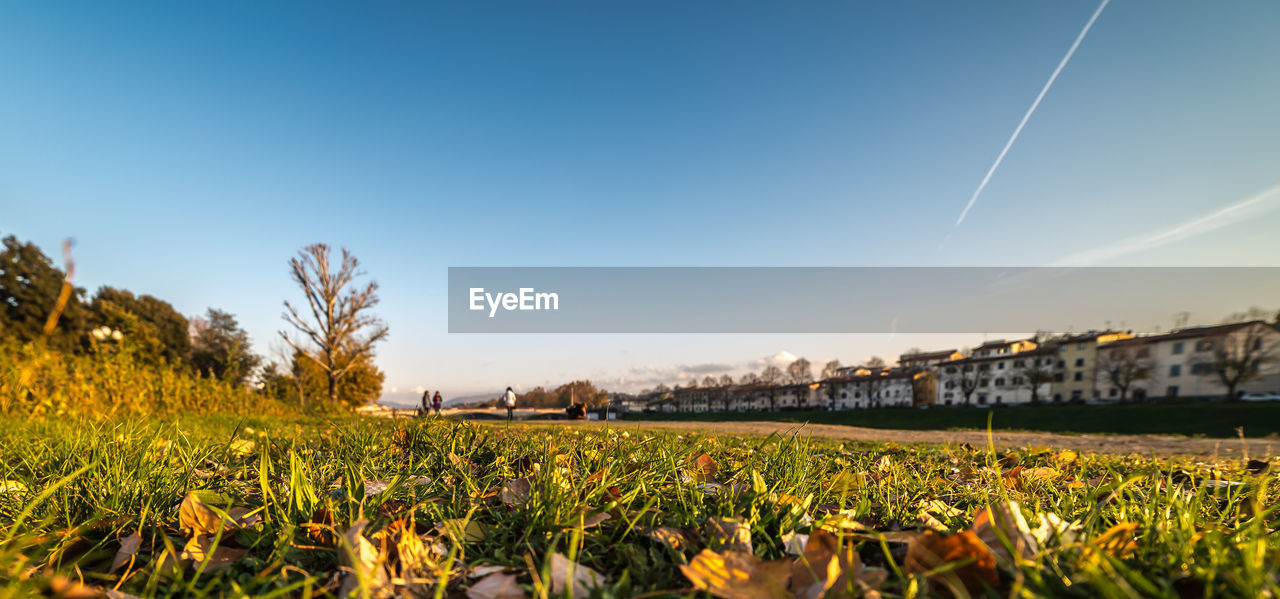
point(1034, 105)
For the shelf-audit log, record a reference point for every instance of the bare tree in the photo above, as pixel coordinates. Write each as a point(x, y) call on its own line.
point(693, 383)
point(1034, 375)
point(1123, 367)
point(726, 380)
point(1240, 355)
point(831, 369)
point(875, 362)
point(341, 329)
point(772, 376)
point(710, 381)
point(800, 371)
point(966, 377)
point(285, 357)
point(749, 378)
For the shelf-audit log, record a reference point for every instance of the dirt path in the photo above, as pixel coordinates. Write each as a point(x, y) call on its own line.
point(1145, 445)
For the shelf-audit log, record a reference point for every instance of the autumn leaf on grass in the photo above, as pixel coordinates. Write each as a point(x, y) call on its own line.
point(728, 534)
point(200, 519)
point(128, 547)
point(1118, 541)
point(931, 510)
point(579, 578)
point(794, 543)
point(1065, 457)
point(732, 575)
point(828, 564)
point(671, 537)
point(588, 519)
point(461, 528)
point(957, 564)
point(496, 586)
point(1002, 527)
point(705, 468)
point(1054, 531)
point(200, 549)
point(515, 492)
point(366, 572)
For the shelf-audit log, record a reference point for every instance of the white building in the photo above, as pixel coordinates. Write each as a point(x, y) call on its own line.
point(1185, 363)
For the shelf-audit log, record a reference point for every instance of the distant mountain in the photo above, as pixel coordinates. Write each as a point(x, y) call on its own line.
point(409, 399)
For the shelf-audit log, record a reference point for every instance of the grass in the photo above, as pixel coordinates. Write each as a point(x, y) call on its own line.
point(1208, 419)
point(442, 498)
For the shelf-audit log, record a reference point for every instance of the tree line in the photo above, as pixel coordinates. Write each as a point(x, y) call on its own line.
point(329, 358)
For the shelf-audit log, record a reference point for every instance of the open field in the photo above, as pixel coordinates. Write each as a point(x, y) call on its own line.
point(1200, 418)
point(434, 508)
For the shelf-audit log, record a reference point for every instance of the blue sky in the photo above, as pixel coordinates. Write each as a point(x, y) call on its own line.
point(191, 149)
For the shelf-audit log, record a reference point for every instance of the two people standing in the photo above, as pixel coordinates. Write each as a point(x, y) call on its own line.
point(430, 403)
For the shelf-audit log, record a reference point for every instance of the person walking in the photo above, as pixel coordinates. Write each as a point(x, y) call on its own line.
point(426, 398)
point(509, 399)
point(437, 402)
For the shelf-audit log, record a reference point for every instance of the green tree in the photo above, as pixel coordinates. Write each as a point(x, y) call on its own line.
point(361, 385)
point(151, 325)
point(29, 288)
point(221, 349)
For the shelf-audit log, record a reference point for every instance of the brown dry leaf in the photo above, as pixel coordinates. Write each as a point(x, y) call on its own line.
point(930, 551)
point(515, 492)
point(366, 570)
point(496, 585)
point(705, 467)
point(484, 570)
point(579, 578)
point(196, 517)
point(1040, 474)
point(671, 537)
point(128, 548)
point(733, 575)
point(930, 510)
point(595, 519)
point(1065, 457)
point(828, 568)
point(63, 587)
point(467, 530)
point(729, 534)
point(1005, 520)
point(201, 550)
point(199, 519)
point(1119, 540)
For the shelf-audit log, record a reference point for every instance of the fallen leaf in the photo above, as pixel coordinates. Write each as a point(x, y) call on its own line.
point(671, 537)
point(729, 534)
point(468, 530)
point(201, 550)
point(1053, 530)
point(577, 577)
point(1003, 528)
point(734, 575)
point(496, 586)
point(829, 567)
point(1065, 457)
point(1119, 540)
point(128, 548)
point(931, 550)
point(515, 492)
point(199, 519)
point(366, 571)
point(705, 467)
point(242, 447)
point(484, 570)
point(794, 543)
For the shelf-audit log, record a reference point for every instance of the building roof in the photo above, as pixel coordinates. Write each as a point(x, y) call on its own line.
point(932, 355)
point(1087, 336)
point(1188, 333)
point(1043, 350)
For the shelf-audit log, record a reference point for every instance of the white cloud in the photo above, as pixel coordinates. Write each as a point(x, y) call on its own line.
point(781, 359)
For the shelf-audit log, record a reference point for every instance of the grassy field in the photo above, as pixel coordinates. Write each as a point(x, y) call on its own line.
point(1209, 419)
point(275, 507)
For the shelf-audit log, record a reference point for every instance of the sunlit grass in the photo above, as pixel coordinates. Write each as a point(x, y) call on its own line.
point(74, 489)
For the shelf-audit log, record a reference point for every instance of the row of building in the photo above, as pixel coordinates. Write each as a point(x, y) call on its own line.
point(1208, 362)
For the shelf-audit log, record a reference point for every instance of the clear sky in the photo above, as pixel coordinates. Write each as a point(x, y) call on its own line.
point(192, 148)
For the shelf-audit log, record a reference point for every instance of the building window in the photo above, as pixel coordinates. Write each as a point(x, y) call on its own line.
point(1080, 345)
point(1000, 366)
point(1019, 363)
point(985, 382)
point(1175, 370)
point(1177, 348)
point(1202, 368)
point(1114, 392)
point(1204, 345)
point(1171, 392)
point(1079, 361)
point(1079, 376)
point(1000, 382)
point(1017, 380)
